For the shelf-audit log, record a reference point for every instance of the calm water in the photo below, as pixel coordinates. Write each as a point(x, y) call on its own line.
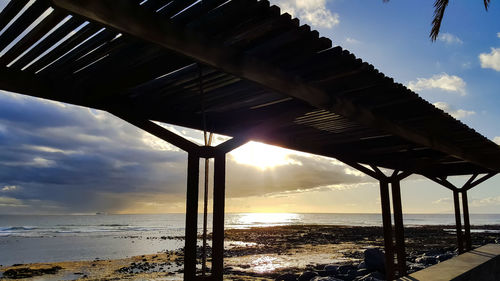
point(25, 239)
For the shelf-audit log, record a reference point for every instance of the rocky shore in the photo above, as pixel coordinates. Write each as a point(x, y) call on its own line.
point(287, 253)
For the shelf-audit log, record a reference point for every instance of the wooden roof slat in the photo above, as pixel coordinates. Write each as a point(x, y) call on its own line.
point(62, 62)
point(22, 22)
point(122, 78)
point(195, 11)
point(56, 53)
point(48, 42)
point(32, 37)
point(260, 30)
point(176, 76)
point(10, 11)
point(103, 37)
point(175, 7)
point(234, 13)
point(154, 4)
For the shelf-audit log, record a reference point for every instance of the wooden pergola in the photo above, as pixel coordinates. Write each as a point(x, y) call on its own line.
point(240, 68)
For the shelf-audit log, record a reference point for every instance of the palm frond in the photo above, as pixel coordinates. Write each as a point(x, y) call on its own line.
point(486, 4)
point(439, 8)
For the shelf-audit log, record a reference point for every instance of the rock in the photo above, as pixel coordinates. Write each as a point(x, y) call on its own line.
point(26, 272)
point(307, 276)
point(346, 277)
point(327, 278)
point(427, 260)
point(445, 256)
point(331, 269)
point(322, 273)
point(362, 272)
point(287, 277)
point(344, 269)
point(415, 267)
point(375, 260)
point(374, 276)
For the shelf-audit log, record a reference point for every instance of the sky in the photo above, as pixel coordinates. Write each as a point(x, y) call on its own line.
point(62, 159)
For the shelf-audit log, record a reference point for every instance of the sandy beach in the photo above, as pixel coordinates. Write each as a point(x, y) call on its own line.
point(265, 253)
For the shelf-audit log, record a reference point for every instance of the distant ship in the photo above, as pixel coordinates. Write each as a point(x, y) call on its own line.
point(101, 213)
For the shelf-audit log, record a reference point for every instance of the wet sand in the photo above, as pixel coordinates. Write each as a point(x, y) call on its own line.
point(261, 253)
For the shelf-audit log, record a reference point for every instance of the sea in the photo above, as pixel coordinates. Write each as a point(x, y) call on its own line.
point(52, 238)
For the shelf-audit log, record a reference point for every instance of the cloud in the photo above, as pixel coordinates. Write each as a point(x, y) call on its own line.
point(458, 114)
point(449, 39)
point(312, 173)
point(350, 40)
point(489, 201)
point(491, 60)
point(446, 200)
point(69, 157)
point(314, 12)
point(498, 34)
point(497, 140)
point(9, 188)
point(443, 81)
point(10, 202)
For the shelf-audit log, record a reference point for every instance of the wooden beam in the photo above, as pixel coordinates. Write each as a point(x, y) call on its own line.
point(231, 144)
point(128, 18)
point(443, 182)
point(480, 180)
point(160, 132)
point(403, 175)
point(38, 86)
point(363, 169)
point(469, 181)
point(26, 84)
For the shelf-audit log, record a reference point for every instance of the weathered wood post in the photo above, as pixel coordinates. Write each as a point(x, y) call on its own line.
point(387, 225)
point(193, 173)
point(399, 227)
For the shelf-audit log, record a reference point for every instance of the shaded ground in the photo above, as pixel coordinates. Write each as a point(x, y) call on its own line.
point(262, 253)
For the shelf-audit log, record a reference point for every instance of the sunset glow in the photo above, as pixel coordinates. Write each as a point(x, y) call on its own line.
point(262, 155)
point(268, 218)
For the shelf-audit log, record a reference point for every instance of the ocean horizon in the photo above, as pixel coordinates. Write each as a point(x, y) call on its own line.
point(51, 238)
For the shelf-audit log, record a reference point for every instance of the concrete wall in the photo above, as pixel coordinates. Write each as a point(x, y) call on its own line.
point(481, 264)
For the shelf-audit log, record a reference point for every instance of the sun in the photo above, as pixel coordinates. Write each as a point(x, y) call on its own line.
point(262, 156)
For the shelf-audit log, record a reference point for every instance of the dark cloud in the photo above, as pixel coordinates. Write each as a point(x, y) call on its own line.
point(63, 158)
point(70, 156)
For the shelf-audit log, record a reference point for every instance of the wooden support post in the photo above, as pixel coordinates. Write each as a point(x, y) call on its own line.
point(458, 221)
point(465, 206)
point(399, 227)
point(191, 217)
point(387, 224)
point(218, 216)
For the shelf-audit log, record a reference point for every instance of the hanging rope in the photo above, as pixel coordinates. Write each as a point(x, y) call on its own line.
point(208, 142)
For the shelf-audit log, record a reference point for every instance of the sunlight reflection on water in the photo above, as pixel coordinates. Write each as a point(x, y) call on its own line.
point(267, 218)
